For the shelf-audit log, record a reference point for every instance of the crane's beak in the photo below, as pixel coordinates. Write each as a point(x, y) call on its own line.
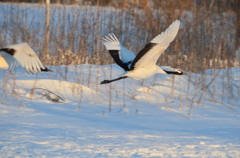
point(185, 73)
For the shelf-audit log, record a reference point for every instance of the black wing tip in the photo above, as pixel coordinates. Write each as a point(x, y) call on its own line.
point(116, 57)
point(46, 69)
point(9, 51)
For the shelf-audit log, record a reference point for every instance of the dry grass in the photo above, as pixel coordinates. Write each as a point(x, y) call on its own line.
point(208, 37)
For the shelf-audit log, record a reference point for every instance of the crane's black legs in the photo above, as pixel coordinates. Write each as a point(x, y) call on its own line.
point(109, 81)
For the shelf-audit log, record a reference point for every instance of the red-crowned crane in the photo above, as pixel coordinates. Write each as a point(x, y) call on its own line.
point(144, 64)
point(22, 55)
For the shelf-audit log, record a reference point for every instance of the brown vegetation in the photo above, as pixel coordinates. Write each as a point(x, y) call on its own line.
point(208, 38)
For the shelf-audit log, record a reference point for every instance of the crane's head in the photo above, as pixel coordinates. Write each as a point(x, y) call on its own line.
point(180, 72)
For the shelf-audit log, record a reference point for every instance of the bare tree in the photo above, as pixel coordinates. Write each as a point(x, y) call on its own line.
point(47, 29)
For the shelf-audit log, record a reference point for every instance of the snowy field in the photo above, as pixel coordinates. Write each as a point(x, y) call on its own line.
point(66, 114)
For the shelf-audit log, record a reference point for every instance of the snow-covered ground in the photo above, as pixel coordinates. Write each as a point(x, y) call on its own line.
point(66, 114)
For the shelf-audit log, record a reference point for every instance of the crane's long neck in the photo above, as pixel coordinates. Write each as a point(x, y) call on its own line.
point(174, 72)
point(179, 72)
point(160, 70)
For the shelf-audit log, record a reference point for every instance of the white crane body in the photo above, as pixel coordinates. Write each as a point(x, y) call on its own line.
point(144, 64)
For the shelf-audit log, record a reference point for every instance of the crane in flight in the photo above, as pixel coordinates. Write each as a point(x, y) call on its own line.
point(144, 64)
point(22, 55)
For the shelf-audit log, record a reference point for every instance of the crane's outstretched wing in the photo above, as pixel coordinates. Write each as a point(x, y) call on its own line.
point(121, 55)
point(22, 55)
point(151, 52)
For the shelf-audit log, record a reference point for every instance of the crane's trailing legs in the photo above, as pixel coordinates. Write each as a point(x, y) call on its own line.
point(109, 81)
